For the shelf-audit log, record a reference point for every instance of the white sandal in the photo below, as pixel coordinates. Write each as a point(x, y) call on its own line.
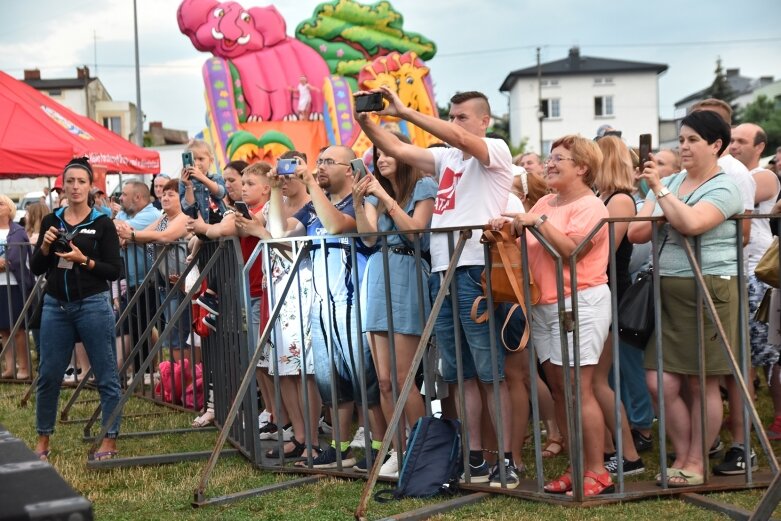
point(204, 420)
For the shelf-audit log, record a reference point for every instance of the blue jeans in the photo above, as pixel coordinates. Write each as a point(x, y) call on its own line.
point(180, 334)
point(347, 343)
point(475, 338)
point(634, 391)
point(92, 320)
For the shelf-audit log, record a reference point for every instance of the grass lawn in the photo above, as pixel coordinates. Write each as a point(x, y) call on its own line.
point(164, 492)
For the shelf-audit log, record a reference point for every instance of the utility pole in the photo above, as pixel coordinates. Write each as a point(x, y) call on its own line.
point(95, 50)
point(540, 114)
point(139, 112)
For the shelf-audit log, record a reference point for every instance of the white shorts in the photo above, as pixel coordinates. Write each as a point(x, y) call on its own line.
point(594, 318)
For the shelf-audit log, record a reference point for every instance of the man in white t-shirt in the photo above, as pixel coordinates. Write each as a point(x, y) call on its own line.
point(475, 177)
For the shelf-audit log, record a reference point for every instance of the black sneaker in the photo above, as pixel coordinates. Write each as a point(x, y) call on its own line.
point(327, 459)
point(363, 466)
point(717, 448)
point(642, 443)
point(210, 321)
point(209, 302)
point(477, 474)
point(510, 476)
point(734, 462)
point(631, 468)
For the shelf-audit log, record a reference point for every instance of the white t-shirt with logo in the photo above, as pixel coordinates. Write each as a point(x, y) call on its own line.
point(469, 195)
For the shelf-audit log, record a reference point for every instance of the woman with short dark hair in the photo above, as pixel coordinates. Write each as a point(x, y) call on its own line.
point(698, 201)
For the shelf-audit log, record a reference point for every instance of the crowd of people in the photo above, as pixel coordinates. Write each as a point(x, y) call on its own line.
point(356, 308)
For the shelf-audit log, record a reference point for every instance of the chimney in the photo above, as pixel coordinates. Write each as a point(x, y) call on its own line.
point(155, 124)
point(574, 58)
point(82, 73)
point(32, 74)
point(732, 72)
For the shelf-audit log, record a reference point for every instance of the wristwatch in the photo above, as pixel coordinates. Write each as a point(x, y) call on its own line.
point(662, 192)
point(540, 220)
point(85, 263)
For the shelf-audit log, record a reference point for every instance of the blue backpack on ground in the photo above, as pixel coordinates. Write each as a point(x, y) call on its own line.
point(431, 462)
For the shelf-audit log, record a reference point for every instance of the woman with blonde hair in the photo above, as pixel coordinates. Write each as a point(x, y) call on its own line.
point(32, 221)
point(565, 219)
point(615, 183)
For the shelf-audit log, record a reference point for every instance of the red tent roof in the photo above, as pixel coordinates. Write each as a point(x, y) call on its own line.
point(38, 136)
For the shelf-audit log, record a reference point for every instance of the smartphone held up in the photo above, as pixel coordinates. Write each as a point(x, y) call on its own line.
point(359, 169)
point(187, 159)
point(369, 102)
point(242, 207)
point(287, 166)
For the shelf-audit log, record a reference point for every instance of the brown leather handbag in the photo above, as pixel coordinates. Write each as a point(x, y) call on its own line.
point(506, 279)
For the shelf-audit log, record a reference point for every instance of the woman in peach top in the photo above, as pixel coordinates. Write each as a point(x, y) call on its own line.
point(564, 219)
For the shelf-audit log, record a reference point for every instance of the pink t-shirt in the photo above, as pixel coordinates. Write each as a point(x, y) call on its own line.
point(575, 219)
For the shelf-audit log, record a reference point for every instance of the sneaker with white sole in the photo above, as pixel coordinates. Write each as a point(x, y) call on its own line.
point(264, 419)
point(631, 468)
point(390, 469)
point(510, 476)
point(327, 459)
point(735, 462)
point(359, 440)
point(269, 432)
point(477, 474)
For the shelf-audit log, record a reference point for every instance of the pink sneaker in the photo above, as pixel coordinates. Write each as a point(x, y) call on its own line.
point(774, 431)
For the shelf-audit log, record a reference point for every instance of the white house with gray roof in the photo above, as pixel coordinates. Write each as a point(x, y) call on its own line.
point(581, 93)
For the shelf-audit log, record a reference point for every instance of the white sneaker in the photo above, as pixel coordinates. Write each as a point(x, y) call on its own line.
point(359, 440)
point(324, 428)
point(390, 469)
point(263, 419)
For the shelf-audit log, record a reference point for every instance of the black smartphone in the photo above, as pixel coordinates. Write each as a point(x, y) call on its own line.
point(187, 158)
point(242, 207)
point(359, 169)
point(369, 102)
point(191, 211)
point(645, 149)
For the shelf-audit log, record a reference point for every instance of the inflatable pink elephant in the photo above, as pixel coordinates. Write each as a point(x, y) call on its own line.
point(255, 42)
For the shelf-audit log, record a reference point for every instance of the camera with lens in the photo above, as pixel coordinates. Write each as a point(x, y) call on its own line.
point(62, 243)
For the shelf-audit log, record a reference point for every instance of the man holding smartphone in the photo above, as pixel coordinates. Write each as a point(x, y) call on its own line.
point(475, 177)
point(331, 212)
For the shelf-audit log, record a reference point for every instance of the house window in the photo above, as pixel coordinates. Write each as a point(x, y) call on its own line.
point(55, 92)
point(546, 143)
point(549, 83)
point(603, 106)
point(603, 80)
point(550, 108)
point(114, 124)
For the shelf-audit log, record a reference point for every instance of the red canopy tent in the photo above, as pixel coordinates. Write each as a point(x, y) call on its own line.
point(38, 136)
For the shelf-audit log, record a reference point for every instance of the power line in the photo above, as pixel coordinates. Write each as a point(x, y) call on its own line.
point(609, 45)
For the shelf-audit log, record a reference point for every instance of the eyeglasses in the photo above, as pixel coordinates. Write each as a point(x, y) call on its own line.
point(556, 159)
point(329, 162)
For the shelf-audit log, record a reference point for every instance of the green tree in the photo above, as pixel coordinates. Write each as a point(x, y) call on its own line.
point(767, 114)
point(720, 88)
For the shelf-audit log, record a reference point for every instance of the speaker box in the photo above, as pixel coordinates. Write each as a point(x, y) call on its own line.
point(31, 489)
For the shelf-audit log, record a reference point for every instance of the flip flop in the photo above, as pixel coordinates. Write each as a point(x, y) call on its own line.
point(105, 455)
point(43, 455)
point(687, 479)
point(670, 473)
point(204, 420)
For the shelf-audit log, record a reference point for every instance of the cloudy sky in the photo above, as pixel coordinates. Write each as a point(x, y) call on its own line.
point(479, 42)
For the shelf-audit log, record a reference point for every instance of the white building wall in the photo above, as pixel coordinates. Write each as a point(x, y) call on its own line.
point(635, 107)
point(74, 99)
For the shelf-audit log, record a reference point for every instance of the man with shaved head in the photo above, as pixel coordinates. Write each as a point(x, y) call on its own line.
point(336, 336)
point(747, 144)
point(475, 177)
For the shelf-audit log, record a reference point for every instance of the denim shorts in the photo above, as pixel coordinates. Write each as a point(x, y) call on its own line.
point(475, 339)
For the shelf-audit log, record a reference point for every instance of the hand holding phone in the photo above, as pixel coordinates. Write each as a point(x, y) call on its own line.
point(645, 149)
point(287, 166)
point(369, 102)
point(243, 209)
point(359, 169)
point(187, 159)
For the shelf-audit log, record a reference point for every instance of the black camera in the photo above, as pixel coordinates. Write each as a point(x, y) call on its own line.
point(62, 243)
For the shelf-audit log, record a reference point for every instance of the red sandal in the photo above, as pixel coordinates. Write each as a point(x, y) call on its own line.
point(559, 485)
point(602, 484)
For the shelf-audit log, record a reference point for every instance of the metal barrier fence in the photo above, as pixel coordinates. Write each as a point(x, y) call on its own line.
point(230, 365)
